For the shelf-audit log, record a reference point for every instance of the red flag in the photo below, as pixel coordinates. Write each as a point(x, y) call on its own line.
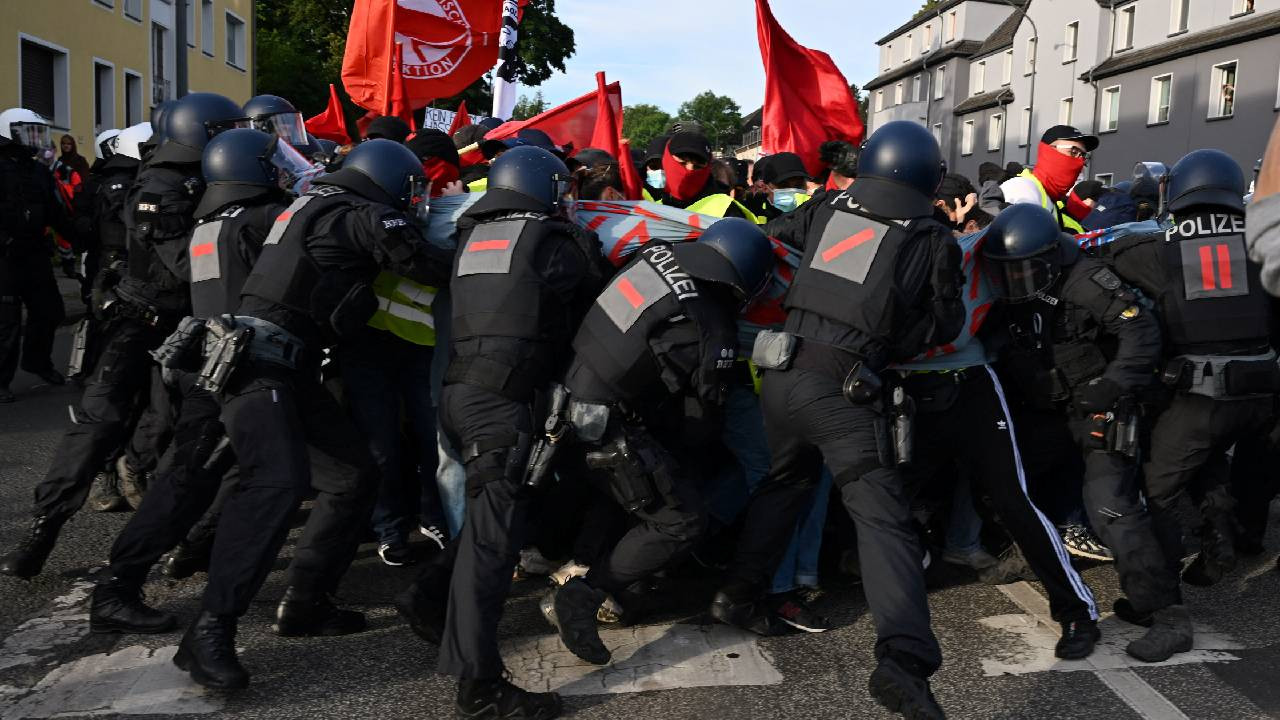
point(400, 105)
point(607, 136)
point(627, 168)
point(573, 123)
point(330, 124)
point(807, 101)
point(460, 119)
point(445, 46)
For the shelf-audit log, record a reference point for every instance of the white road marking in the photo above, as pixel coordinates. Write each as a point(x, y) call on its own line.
point(653, 657)
point(1109, 662)
point(130, 681)
point(36, 639)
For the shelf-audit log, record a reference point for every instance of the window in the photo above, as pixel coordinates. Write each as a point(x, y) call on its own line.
point(106, 3)
point(104, 96)
point(940, 83)
point(1222, 90)
point(879, 100)
point(995, 132)
point(1064, 111)
point(1161, 94)
point(1030, 66)
point(1070, 39)
point(977, 77)
point(159, 76)
point(46, 81)
point(1105, 178)
point(133, 9)
point(952, 21)
point(1241, 7)
point(928, 39)
point(1124, 29)
point(206, 27)
point(910, 50)
point(916, 89)
point(966, 138)
point(1111, 108)
point(1024, 132)
point(1178, 11)
point(1006, 74)
point(937, 132)
point(132, 98)
point(897, 94)
point(189, 13)
point(888, 57)
point(236, 49)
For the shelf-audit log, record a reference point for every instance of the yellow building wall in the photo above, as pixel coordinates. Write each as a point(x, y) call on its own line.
point(89, 30)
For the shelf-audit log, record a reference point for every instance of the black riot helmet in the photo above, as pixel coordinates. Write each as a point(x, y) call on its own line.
point(899, 168)
point(381, 170)
point(159, 114)
point(239, 165)
point(525, 178)
point(1210, 178)
point(1022, 252)
point(273, 114)
point(194, 120)
point(734, 252)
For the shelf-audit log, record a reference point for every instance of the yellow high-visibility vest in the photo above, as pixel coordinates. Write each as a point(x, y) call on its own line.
point(1067, 222)
point(404, 309)
point(478, 185)
point(717, 205)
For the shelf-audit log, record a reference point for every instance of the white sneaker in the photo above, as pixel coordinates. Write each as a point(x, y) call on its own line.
point(568, 571)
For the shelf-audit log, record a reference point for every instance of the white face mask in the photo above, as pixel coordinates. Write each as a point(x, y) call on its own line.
point(656, 178)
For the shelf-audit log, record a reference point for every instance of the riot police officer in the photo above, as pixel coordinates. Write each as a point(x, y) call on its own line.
point(1060, 305)
point(879, 281)
point(28, 205)
point(275, 115)
point(663, 331)
point(242, 200)
point(523, 278)
point(1219, 362)
point(148, 302)
point(309, 289)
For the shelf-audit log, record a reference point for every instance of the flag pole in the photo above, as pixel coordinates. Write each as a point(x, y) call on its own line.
point(393, 56)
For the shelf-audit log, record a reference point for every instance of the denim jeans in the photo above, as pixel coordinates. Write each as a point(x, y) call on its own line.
point(387, 379)
point(451, 478)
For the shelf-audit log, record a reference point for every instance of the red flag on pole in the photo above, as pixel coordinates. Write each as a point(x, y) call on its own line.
point(573, 123)
point(400, 106)
point(460, 119)
point(630, 175)
point(807, 100)
point(330, 124)
point(445, 46)
point(607, 136)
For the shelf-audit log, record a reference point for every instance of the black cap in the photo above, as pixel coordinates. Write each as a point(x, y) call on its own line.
point(782, 167)
point(433, 143)
point(656, 146)
point(954, 186)
point(1066, 132)
point(490, 124)
point(594, 157)
point(391, 128)
point(690, 143)
point(468, 135)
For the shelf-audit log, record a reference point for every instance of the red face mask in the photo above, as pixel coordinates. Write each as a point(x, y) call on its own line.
point(1057, 172)
point(440, 173)
point(683, 184)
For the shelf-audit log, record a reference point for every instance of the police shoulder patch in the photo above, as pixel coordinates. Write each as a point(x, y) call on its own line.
point(1106, 279)
point(392, 222)
point(232, 211)
point(325, 190)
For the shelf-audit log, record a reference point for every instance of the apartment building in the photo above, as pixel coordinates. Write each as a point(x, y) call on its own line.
point(90, 65)
point(1154, 78)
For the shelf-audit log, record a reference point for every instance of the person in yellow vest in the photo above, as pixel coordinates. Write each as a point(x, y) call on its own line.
point(786, 181)
point(687, 181)
point(1062, 155)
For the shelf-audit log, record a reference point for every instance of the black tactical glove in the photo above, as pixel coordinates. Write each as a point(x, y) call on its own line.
point(1098, 396)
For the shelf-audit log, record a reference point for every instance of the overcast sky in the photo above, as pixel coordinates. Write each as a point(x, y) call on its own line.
point(666, 51)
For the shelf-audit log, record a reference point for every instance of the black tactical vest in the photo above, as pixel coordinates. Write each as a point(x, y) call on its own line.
point(159, 215)
point(1212, 299)
point(497, 288)
point(109, 201)
point(651, 291)
point(26, 193)
point(222, 250)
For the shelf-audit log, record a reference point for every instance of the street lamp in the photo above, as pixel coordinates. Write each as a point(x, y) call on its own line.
point(1035, 40)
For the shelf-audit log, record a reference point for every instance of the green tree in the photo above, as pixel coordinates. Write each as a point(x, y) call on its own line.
point(719, 116)
point(928, 7)
point(862, 99)
point(526, 108)
point(642, 123)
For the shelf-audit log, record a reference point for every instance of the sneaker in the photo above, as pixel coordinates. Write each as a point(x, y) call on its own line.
point(1082, 543)
point(132, 483)
point(793, 611)
point(977, 559)
point(395, 554)
point(569, 571)
point(104, 494)
point(1078, 639)
point(500, 700)
point(433, 533)
point(533, 562)
point(903, 691)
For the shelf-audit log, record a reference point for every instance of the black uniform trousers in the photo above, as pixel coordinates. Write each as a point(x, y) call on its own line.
point(26, 280)
point(272, 415)
point(970, 424)
point(488, 548)
point(809, 422)
point(103, 419)
point(187, 480)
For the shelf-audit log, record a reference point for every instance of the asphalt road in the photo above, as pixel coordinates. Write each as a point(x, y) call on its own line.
point(998, 662)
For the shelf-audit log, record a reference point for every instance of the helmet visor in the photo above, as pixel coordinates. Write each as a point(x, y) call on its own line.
point(1020, 280)
point(295, 172)
point(218, 126)
point(33, 135)
point(288, 126)
point(563, 190)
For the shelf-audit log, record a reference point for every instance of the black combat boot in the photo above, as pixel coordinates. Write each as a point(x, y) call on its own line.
point(424, 611)
point(1170, 633)
point(117, 607)
point(301, 614)
point(575, 616)
point(27, 560)
point(904, 689)
point(187, 559)
point(1078, 639)
point(1125, 610)
point(500, 700)
point(1217, 552)
point(208, 652)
